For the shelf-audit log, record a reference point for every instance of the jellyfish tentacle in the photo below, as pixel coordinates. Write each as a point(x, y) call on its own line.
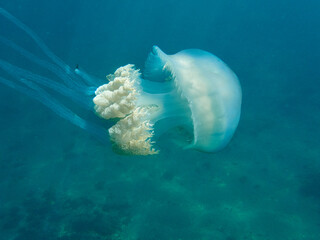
point(90, 80)
point(35, 92)
point(42, 63)
point(35, 38)
point(55, 59)
point(72, 86)
point(20, 73)
point(15, 86)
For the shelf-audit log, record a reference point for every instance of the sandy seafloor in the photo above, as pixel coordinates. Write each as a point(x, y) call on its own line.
point(58, 182)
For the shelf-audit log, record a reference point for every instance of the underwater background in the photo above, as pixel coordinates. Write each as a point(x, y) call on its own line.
point(59, 182)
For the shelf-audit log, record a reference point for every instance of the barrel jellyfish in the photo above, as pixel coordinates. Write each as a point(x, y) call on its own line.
point(192, 88)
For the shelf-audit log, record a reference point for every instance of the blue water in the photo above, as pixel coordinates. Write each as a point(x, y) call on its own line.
point(59, 182)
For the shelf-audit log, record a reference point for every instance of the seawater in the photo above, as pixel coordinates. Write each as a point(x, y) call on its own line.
point(59, 182)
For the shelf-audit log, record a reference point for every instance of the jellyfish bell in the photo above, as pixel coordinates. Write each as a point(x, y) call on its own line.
point(213, 93)
point(192, 86)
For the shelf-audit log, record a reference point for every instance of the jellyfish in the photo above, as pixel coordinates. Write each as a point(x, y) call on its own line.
point(192, 88)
